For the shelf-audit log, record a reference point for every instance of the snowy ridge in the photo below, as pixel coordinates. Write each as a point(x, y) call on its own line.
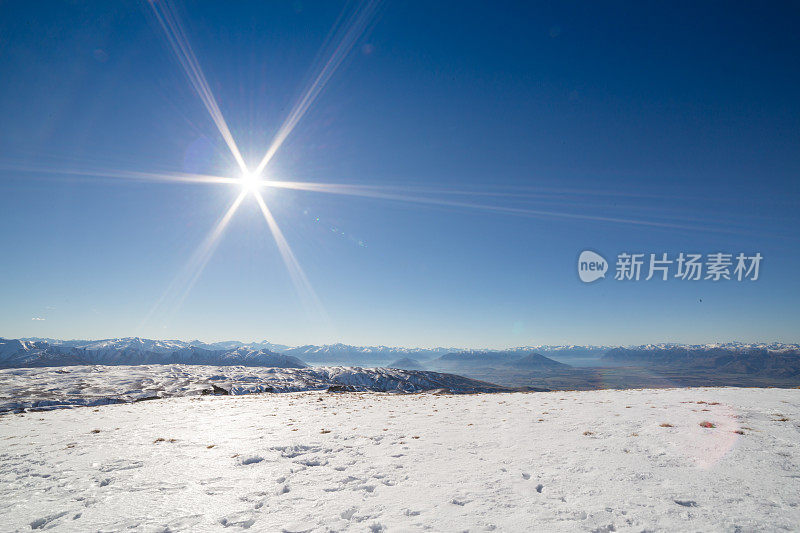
point(53, 388)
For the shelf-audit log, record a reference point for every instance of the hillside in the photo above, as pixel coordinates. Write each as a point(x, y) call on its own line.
point(535, 361)
point(53, 388)
point(495, 359)
point(406, 363)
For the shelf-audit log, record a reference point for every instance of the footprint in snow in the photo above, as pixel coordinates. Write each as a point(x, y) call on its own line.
point(251, 460)
point(298, 527)
point(312, 462)
point(241, 520)
point(40, 523)
point(290, 452)
point(253, 496)
point(121, 464)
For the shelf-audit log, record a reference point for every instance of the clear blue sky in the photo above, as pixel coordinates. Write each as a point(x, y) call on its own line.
point(681, 114)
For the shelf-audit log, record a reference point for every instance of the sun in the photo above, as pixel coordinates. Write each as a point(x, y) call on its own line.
point(250, 182)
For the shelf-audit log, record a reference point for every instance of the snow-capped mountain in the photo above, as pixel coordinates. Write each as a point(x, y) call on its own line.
point(230, 345)
point(18, 353)
point(253, 357)
point(731, 346)
point(135, 350)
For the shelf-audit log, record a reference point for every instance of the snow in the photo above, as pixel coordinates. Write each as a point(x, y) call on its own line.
point(92, 385)
point(559, 461)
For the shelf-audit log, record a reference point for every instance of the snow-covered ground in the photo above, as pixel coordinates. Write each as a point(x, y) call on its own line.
point(558, 461)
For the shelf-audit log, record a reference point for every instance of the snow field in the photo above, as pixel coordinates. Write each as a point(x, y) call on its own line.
point(559, 461)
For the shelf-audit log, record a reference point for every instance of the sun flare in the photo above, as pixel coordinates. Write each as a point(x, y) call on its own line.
point(250, 182)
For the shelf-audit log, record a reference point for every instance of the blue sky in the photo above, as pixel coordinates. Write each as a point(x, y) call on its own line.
point(501, 138)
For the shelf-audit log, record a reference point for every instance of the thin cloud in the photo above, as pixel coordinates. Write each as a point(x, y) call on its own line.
point(37, 318)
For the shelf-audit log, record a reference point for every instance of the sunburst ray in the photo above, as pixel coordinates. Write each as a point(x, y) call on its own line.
point(303, 287)
point(175, 294)
point(340, 42)
point(173, 30)
point(131, 175)
point(382, 194)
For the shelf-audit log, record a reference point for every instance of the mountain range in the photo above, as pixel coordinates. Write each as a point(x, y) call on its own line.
point(765, 358)
point(753, 361)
